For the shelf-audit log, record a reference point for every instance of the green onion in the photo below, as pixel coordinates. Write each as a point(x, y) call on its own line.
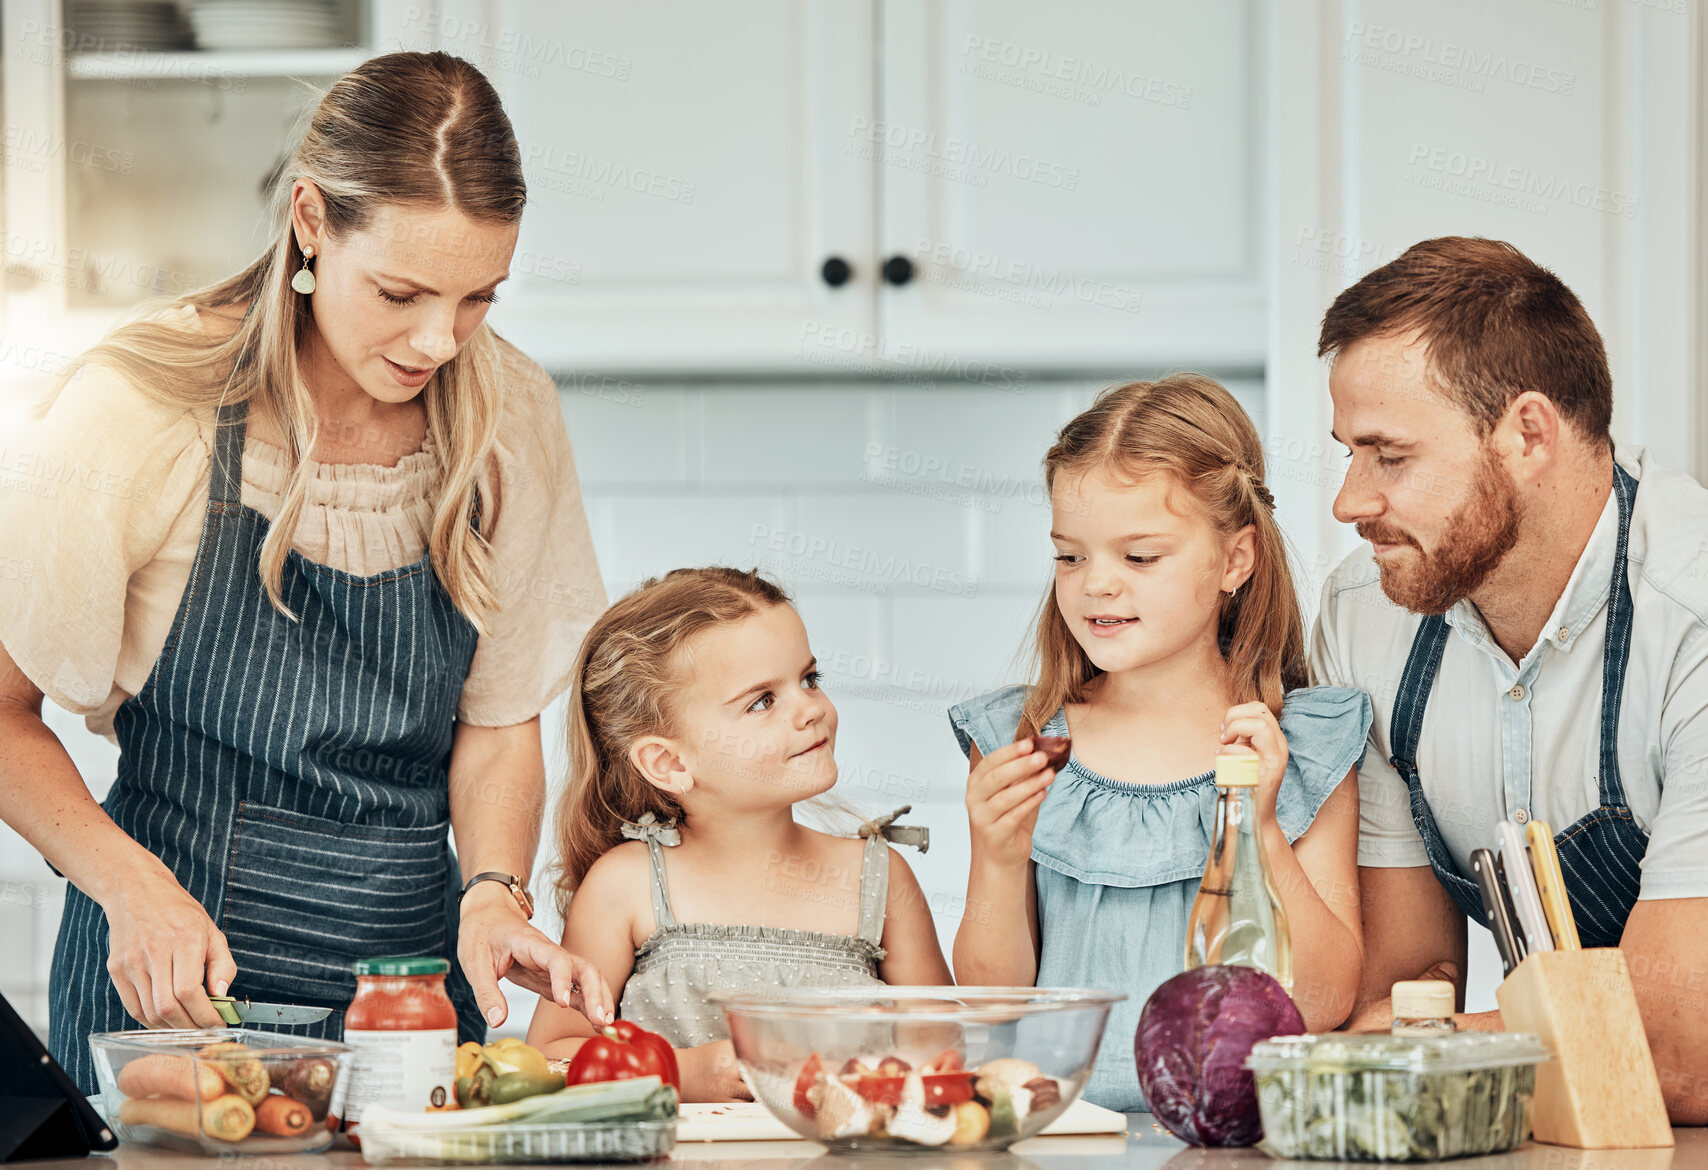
point(640, 1099)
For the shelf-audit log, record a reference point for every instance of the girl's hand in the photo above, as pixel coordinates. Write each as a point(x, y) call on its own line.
point(1254, 725)
point(494, 941)
point(710, 1073)
point(1004, 793)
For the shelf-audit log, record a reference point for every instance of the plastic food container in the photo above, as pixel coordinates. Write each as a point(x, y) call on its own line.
point(916, 1069)
point(610, 1141)
point(221, 1090)
point(617, 1121)
point(1385, 1098)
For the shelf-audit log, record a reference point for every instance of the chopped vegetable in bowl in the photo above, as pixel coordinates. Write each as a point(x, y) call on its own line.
point(939, 1103)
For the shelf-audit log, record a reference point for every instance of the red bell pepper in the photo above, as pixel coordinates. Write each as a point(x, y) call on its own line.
point(944, 1079)
point(880, 1089)
point(947, 1080)
point(623, 1051)
point(809, 1074)
point(950, 1088)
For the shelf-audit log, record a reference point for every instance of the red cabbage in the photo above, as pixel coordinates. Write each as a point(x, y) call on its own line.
point(1194, 1035)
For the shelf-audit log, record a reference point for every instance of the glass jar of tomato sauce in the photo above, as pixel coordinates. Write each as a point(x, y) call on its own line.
point(403, 1029)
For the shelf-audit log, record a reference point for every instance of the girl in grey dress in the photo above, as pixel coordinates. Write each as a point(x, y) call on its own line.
point(696, 725)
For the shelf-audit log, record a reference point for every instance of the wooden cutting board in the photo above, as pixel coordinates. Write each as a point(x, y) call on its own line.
point(749, 1121)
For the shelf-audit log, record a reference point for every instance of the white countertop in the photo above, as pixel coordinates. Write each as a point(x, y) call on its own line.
point(1144, 1147)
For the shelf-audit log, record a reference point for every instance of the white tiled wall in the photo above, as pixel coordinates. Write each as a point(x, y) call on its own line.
point(906, 520)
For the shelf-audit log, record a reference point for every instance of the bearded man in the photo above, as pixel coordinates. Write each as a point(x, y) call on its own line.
point(1529, 619)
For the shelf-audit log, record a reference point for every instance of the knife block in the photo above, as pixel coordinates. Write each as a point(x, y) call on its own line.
point(1600, 1092)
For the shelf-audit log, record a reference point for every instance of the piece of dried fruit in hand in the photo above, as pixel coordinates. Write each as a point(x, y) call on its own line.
point(1056, 748)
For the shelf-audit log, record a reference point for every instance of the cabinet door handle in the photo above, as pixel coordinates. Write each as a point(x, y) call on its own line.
point(898, 270)
point(836, 272)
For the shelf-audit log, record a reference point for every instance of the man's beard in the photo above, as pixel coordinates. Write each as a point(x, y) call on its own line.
point(1477, 537)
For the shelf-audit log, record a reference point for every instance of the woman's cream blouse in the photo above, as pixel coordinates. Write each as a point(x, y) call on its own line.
point(102, 502)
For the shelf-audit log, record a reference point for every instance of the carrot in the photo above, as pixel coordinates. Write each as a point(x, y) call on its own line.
point(167, 1074)
point(282, 1115)
point(246, 1075)
point(229, 1118)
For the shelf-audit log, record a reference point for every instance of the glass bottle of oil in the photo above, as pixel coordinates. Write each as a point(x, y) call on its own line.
point(1237, 916)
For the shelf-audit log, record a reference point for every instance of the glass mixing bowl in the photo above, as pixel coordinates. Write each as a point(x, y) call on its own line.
point(916, 1068)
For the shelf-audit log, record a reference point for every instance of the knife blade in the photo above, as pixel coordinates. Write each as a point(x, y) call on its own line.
point(243, 1011)
point(1507, 901)
point(1494, 908)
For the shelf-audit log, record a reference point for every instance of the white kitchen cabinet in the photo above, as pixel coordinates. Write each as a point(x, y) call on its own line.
point(1102, 185)
point(1073, 185)
point(1007, 189)
point(687, 180)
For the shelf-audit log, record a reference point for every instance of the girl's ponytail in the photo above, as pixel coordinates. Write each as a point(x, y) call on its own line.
point(1261, 633)
point(602, 792)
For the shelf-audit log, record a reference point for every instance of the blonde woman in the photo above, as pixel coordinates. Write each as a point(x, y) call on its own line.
point(321, 564)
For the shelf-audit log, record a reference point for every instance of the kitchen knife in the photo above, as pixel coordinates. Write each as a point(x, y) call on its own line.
point(1526, 898)
point(1494, 908)
point(1518, 932)
point(1552, 884)
point(242, 1011)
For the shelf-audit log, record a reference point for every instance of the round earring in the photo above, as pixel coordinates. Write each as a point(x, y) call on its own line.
point(1232, 593)
point(303, 281)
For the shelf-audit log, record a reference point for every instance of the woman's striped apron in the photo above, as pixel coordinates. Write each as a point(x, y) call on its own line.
point(293, 775)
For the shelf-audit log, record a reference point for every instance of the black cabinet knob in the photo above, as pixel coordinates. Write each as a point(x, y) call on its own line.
point(898, 270)
point(836, 272)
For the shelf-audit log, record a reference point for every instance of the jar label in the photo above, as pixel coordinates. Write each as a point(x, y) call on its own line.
point(400, 1070)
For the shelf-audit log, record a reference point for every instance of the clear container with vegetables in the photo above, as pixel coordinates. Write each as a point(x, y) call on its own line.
point(512, 1104)
point(915, 1068)
point(221, 1090)
point(1386, 1098)
point(604, 1121)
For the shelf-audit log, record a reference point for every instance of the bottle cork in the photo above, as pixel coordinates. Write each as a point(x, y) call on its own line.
point(1422, 999)
point(1236, 770)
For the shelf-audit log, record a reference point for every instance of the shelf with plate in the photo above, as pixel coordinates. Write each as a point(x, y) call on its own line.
point(200, 65)
point(111, 105)
point(210, 40)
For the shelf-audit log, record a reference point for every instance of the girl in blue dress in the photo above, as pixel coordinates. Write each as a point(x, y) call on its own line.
point(1172, 630)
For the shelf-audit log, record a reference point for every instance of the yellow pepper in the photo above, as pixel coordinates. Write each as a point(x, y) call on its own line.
point(469, 1057)
point(511, 1055)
